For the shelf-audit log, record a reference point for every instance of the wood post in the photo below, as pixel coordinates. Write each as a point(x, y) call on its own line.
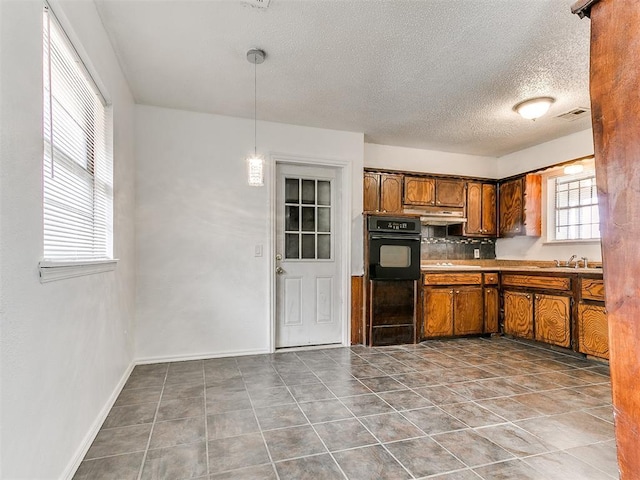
point(615, 103)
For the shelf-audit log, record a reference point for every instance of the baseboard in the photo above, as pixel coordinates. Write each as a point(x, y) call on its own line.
point(198, 356)
point(73, 465)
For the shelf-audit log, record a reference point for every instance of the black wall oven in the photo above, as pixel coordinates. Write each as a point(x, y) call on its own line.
point(394, 248)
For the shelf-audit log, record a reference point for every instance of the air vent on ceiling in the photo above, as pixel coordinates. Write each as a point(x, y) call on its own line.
point(257, 3)
point(574, 114)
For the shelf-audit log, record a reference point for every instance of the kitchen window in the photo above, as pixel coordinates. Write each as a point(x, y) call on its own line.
point(574, 207)
point(77, 162)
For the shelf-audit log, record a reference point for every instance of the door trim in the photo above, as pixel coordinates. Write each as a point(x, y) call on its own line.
point(344, 172)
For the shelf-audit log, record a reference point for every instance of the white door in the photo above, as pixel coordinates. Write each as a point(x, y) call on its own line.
point(308, 283)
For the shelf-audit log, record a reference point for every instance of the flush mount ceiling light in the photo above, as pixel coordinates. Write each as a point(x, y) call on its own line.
point(534, 107)
point(255, 163)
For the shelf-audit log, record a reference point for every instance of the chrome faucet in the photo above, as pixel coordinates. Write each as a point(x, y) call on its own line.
point(584, 262)
point(571, 259)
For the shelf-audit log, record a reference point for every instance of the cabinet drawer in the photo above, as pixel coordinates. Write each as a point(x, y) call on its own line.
point(453, 279)
point(592, 289)
point(551, 283)
point(490, 278)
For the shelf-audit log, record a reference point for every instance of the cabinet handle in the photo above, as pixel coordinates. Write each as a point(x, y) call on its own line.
point(451, 292)
point(457, 292)
point(528, 296)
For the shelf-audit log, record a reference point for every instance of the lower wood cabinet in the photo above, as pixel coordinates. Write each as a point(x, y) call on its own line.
point(518, 314)
point(491, 310)
point(468, 310)
point(453, 311)
point(438, 312)
point(546, 318)
point(593, 330)
point(552, 317)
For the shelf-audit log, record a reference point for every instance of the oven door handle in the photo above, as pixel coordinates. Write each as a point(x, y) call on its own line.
point(391, 236)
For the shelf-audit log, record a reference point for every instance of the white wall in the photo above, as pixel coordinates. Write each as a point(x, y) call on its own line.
point(65, 345)
point(429, 161)
point(200, 289)
point(562, 149)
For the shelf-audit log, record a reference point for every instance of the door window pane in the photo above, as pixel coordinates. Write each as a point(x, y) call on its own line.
point(292, 220)
point(308, 246)
point(291, 190)
point(324, 247)
point(324, 192)
point(324, 219)
point(292, 248)
point(308, 219)
point(308, 191)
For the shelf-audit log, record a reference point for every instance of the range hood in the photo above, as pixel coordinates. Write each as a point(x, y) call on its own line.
point(440, 217)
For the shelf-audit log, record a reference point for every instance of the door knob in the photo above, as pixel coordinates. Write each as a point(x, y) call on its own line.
point(279, 270)
point(278, 257)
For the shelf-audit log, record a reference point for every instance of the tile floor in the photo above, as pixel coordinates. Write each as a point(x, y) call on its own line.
point(459, 410)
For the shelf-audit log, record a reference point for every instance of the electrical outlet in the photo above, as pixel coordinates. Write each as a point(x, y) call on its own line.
point(476, 253)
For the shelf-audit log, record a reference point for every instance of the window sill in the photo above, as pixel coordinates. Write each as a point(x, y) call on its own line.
point(51, 271)
point(592, 241)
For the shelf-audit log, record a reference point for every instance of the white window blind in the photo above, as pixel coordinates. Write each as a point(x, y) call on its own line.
point(77, 165)
point(576, 208)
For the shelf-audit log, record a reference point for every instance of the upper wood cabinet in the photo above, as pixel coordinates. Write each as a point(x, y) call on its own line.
point(520, 206)
point(371, 188)
point(419, 191)
point(382, 192)
point(481, 210)
point(439, 192)
point(390, 193)
point(449, 192)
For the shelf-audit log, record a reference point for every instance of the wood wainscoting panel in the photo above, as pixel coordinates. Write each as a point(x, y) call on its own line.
point(357, 310)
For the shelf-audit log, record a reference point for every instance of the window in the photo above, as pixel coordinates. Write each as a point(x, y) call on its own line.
point(576, 207)
point(77, 164)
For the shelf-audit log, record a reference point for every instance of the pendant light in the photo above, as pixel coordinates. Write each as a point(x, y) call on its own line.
point(255, 163)
point(534, 107)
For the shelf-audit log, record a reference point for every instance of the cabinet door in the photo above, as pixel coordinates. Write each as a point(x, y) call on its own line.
point(552, 317)
point(419, 191)
point(511, 208)
point(371, 187)
point(518, 314)
point(449, 193)
point(593, 330)
point(390, 193)
point(474, 209)
point(491, 310)
point(468, 310)
point(438, 312)
point(489, 214)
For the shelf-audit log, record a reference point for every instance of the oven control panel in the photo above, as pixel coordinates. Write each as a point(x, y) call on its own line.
point(399, 225)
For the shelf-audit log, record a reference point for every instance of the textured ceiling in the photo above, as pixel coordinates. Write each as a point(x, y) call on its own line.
point(434, 74)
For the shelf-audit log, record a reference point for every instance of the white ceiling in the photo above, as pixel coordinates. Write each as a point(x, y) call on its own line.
point(433, 74)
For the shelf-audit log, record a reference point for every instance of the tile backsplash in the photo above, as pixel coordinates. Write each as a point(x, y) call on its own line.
point(437, 245)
